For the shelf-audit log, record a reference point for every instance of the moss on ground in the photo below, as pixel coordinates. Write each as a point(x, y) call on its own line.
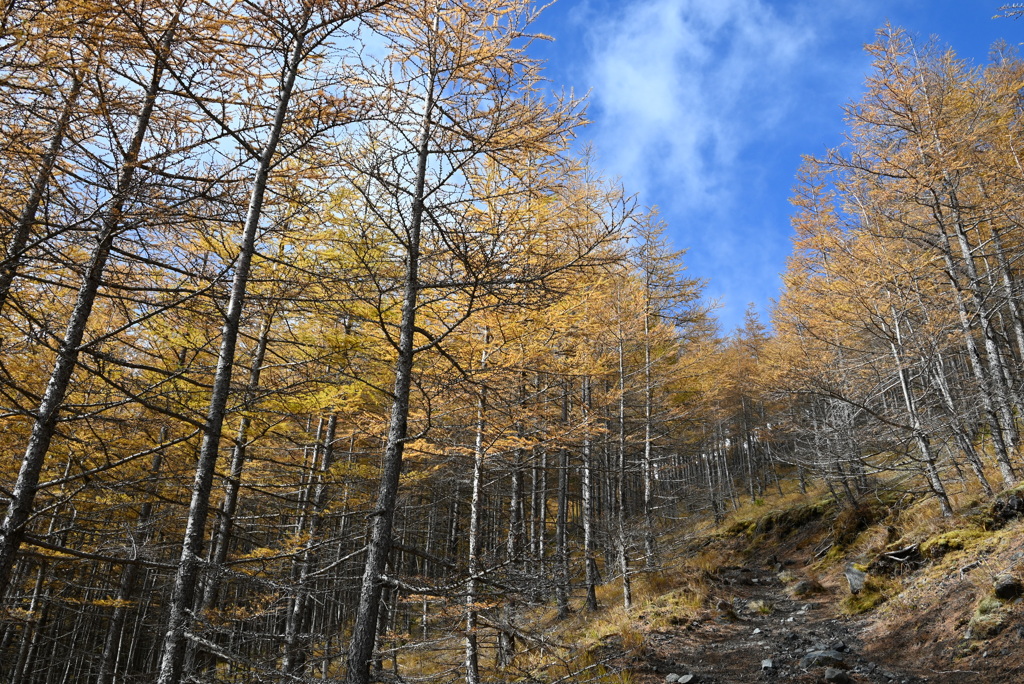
point(876, 591)
point(953, 540)
point(988, 620)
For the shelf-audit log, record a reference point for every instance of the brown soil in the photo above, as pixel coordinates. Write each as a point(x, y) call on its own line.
point(733, 643)
point(920, 635)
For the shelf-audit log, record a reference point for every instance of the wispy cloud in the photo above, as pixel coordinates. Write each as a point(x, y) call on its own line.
point(695, 104)
point(683, 85)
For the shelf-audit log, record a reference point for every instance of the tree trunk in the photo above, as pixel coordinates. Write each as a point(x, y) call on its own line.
point(129, 580)
point(183, 591)
point(294, 655)
point(23, 227)
point(226, 513)
point(650, 541)
point(379, 544)
point(590, 567)
point(620, 486)
point(472, 654)
point(12, 529)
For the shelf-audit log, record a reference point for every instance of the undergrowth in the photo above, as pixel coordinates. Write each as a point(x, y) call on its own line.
point(826, 535)
point(877, 590)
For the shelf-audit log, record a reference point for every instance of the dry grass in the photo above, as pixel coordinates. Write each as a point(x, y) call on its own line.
point(661, 599)
point(762, 607)
point(594, 647)
point(791, 497)
point(583, 668)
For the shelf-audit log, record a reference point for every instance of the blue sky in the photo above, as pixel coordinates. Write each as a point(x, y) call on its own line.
point(704, 108)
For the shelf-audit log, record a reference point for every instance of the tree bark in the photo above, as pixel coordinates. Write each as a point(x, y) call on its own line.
point(620, 486)
point(183, 592)
point(590, 568)
point(129, 579)
point(19, 510)
point(23, 227)
point(378, 547)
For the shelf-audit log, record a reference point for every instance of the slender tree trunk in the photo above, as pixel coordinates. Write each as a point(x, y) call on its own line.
point(1009, 286)
point(514, 542)
point(513, 550)
point(34, 622)
point(232, 484)
point(183, 591)
point(294, 655)
point(23, 227)
point(129, 579)
point(472, 654)
point(920, 436)
point(562, 536)
point(379, 544)
point(650, 541)
point(12, 530)
point(562, 520)
point(993, 401)
point(620, 486)
point(962, 437)
point(540, 523)
point(590, 567)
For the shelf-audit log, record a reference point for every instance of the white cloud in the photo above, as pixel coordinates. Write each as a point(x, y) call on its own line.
point(705, 106)
point(682, 86)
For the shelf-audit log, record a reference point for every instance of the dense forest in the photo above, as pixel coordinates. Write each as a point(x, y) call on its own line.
point(325, 355)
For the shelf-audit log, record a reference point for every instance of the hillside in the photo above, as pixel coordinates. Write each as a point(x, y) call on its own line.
point(776, 604)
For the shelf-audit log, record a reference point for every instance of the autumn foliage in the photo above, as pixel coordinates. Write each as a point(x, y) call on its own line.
point(324, 355)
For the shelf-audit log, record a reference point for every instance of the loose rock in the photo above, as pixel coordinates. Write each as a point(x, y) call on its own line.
point(822, 659)
point(1006, 508)
point(1007, 587)
point(726, 609)
point(855, 577)
point(837, 676)
point(806, 588)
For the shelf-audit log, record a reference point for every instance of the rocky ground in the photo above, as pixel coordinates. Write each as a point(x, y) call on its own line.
point(950, 612)
point(763, 634)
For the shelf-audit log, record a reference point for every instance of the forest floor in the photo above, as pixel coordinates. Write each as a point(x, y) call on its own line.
point(932, 620)
point(764, 634)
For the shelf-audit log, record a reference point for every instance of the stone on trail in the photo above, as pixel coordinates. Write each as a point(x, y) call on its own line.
point(856, 577)
point(767, 664)
point(822, 659)
point(680, 679)
point(805, 588)
point(837, 676)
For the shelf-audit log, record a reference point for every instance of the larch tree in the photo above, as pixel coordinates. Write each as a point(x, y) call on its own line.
point(298, 33)
point(463, 123)
point(163, 23)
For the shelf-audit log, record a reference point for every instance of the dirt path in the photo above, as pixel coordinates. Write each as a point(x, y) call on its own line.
point(760, 634)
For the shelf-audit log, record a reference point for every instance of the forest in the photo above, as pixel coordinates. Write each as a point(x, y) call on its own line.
point(327, 355)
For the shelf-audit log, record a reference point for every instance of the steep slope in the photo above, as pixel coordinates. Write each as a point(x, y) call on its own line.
point(940, 600)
